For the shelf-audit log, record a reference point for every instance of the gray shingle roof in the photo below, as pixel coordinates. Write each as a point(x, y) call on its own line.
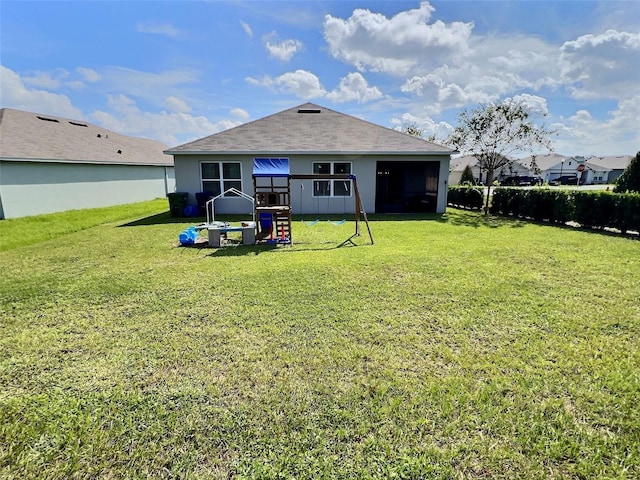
point(35, 137)
point(611, 162)
point(544, 161)
point(310, 128)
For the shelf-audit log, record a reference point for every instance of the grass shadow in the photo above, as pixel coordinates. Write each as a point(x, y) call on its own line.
point(165, 218)
point(478, 220)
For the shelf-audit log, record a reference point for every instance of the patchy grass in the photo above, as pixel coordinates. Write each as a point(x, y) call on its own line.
point(457, 347)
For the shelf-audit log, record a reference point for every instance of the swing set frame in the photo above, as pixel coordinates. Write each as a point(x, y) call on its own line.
point(359, 211)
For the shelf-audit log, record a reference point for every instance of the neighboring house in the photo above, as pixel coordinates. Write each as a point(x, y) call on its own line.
point(458, 165)
point(590, 170)
point(548, 166)
point(395, 172)
point(51, 164)
point(612, 166)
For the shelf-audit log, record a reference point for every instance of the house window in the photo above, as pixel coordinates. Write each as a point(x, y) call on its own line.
point(333, 187)
point(218, 177)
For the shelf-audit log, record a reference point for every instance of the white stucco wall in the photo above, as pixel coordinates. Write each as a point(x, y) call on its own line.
point(188, 179)
point(32, 188)
point(443, 185)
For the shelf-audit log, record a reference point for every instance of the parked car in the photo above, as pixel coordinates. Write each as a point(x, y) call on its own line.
point(521, 181)
point(565, 180)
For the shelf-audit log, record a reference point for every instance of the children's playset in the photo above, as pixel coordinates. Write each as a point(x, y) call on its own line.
point(270, 206)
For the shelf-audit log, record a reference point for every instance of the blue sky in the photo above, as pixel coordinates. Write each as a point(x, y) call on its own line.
point(180, 70)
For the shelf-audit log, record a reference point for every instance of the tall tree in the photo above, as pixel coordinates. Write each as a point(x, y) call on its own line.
point(493, 132)
point(467, 176)
point(630, 178)
point(412, 129)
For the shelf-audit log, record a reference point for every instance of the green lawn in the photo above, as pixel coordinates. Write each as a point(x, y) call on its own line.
point(455, 347)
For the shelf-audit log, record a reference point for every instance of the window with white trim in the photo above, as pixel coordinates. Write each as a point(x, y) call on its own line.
point(218, 177)
point(334, 187)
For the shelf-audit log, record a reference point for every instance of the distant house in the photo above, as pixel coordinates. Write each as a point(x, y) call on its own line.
point(395, 172)
point(611, 165)
point(458, 165)
point(590, 170)
point(51, 164)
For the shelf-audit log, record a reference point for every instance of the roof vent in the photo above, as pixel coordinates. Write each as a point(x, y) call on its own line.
point(78, 124)
point(119, 151)
point(48, 119)
point(309, 110)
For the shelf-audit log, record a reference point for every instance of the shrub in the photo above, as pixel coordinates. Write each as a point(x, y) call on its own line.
point(465, 196)
point(563, 206)
point(539, 204)
point(627, 211)
point(594, 209)
point(500, 201)
point(588, 208)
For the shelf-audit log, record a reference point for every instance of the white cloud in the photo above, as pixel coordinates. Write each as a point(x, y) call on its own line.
point(488, 73)
point(304, 84)
point(439, 130)
point(398, 44)
point(176, 105)
point(618, 134)
point(45, 79)
point(148, 85)
point(536, 105)
point(283, 50)
point(88, 74)
point(301, 83)
point(240, 113)
point(247, 28)
point(158, 29)
point(602, 66)
point(125, 117)
point(15, 94)
point(354, 87)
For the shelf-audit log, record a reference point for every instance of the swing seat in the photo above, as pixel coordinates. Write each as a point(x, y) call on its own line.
point(339, 222)
point(311, 223)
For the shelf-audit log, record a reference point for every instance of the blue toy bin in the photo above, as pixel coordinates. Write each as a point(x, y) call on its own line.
point(266, 222)
point(188, 236)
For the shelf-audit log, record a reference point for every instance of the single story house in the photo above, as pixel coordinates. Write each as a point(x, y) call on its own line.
point(590, 170)
point(609, 166)
point(459, 164)
point(395, 172)
point(51, 164)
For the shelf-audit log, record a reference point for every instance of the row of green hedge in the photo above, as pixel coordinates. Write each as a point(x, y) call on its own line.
point(465, 196)
point(597, 209)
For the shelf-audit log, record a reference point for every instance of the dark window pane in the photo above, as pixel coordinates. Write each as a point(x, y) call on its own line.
point(342, 188)
point(230, 170)
point(232, 184)
point(342, 168)
point(321, 168)
point(213, 187)
point(210, 170)
point(321, 188)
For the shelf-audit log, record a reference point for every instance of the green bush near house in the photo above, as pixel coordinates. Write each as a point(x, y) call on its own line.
point(465, 196)
point(457, 346)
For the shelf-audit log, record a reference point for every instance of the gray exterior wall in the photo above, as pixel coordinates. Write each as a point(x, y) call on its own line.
point(33, 188)
point(188, 179)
